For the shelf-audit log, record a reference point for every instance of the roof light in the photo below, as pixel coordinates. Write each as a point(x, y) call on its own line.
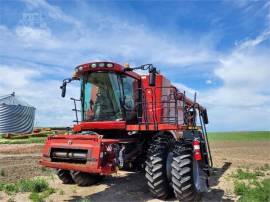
point(94, 65)
point(80, 68)
point(126, 65)
point(101, 64)
point(109, 65)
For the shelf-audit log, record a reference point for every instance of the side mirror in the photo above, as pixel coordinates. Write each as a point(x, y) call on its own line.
point(205, 116)
point(152, 76)
point(63, 87)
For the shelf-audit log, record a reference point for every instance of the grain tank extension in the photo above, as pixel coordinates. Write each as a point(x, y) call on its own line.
point(133, 122)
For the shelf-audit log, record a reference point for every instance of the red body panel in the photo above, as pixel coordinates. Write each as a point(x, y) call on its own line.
point(152, 99)
point(94, 144)
point(104, 125)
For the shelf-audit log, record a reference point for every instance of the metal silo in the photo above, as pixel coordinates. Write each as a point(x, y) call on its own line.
point(16, 116)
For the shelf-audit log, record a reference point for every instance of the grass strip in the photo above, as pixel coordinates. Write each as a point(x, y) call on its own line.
point(255, 191)
point(240, 174)
point(38, 187)
point(31, 140)
point(240, 136)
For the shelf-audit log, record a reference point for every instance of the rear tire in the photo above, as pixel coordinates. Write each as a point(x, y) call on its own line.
point(85, 179)
point(182, 173)
point(65, 176)
point(156, 166)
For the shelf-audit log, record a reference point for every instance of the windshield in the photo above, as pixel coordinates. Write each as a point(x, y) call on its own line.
point(107, 97)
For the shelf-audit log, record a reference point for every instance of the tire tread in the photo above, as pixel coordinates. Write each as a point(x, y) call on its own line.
point(155, 167)
point(65, 176)
point(182, 173)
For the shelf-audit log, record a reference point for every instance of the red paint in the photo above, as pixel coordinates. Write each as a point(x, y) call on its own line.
point(95, 143)
point(105, 125)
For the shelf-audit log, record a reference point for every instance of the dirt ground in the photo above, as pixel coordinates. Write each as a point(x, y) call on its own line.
point(21, 161)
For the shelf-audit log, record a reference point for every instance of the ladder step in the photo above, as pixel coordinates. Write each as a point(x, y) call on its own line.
point(76, 110)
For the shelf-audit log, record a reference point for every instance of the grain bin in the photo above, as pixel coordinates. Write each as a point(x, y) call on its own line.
point(16, 116)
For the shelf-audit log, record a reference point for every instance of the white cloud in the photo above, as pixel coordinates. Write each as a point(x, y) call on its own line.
point(103, 37)
point(53, 11)
point(189, 91)
point(254, 42)
point(36, 37)
point(241, 119)
point(13, 77)
point(245, 70)
point(243, 101)
point(44, 94)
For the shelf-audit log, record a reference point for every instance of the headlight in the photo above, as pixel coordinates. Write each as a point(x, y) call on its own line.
point(109, 65)
point(101, 64)
point(80, 68)
point(94, 65)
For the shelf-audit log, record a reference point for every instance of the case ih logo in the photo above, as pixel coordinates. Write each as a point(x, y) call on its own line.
point(70, 142)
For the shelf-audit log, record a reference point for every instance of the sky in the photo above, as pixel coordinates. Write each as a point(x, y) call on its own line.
point(219, 49)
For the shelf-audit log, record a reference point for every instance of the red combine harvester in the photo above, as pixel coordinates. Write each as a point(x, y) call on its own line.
point(133, 122)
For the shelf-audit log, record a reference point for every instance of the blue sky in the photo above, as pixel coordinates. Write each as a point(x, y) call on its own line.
point(220, 49)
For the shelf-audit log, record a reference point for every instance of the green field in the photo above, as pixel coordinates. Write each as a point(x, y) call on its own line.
point(31, 140)
point(240, 136)
point(212, 136)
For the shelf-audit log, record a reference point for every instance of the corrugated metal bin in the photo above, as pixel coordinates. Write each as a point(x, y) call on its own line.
point(16, 116)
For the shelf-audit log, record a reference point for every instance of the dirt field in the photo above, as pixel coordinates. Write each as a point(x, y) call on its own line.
point(21, 161)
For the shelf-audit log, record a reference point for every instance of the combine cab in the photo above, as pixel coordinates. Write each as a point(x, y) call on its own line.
point(133, 122)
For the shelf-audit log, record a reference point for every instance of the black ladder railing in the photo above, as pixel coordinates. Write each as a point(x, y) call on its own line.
point(75, 109)
point(205, 137)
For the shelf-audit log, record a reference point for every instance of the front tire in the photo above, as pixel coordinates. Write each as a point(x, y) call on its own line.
point(85, 179)
point(156, 167)
point(65, 176)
